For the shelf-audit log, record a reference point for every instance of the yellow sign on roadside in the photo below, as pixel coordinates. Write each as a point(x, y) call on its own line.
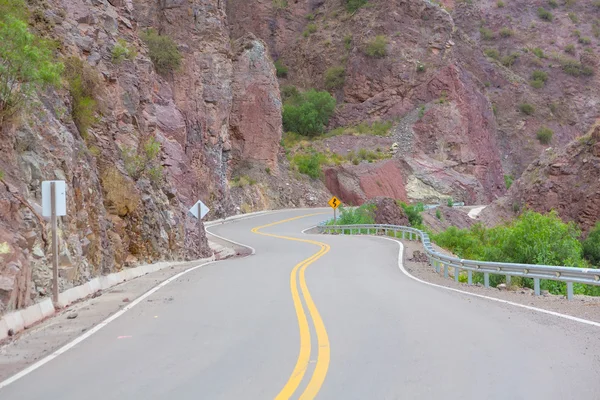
point(334, 202)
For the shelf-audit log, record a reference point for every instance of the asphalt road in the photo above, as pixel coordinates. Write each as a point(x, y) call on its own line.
point(319, 316)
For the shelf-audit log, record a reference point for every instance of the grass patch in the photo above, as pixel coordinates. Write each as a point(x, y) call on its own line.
point(538, 52)
point(377, 47)
point(574, 18)
point(544, 135)
point(242, 181)
point(506, 33)
point(487, 34)
point(279, 4)
point(500, 4)
point(538, 78)
point(353, 5)
point(348, 42)
point(509, 60)
point(584, 40)
point(309, 30)
point(526, 108)
point(375, 128)
point(544, 14)
point(492, 53)
point(570, 49)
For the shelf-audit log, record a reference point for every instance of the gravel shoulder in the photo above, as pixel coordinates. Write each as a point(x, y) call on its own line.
point(586, 307)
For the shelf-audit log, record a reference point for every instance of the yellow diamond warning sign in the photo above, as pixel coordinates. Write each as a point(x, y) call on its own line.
point(334, 202)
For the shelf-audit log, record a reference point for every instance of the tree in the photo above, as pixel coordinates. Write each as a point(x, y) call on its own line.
point(26, 61)
point(591, 246)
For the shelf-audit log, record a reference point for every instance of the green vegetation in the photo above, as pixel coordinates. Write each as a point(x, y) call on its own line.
point(574, 17)
point(163, 52)
point(362, 215)
point(553, 3)
point(310, 16)
point(353, 5)
point(530, 239)
point(509, 59)
point(487, 34)
point(290, 94)
point(279, 4)
point(309, 30)
point(526, 108)
point(242, 180)
point(584, 40)
point(505, 32)
point(308, 113)
point(144, 161)
point(413, 212)
point(575, 68)
point(27, 62)
point(544, 135)
point(570, 48)
point(348, 42)
point(492, 53)
point(280, 69)
point(83, 83)
point(544, 14)
point(538, 78)
point(377, 47)
point(538, 52)
point(122, 51)
point(421, 112)
point(500, 4)
point(309, 164)
point(420, 67)
point(508, 181)
point(335, 77)
point(438, 214)
point(591, 246)
point(376, 128)
point(450, 202)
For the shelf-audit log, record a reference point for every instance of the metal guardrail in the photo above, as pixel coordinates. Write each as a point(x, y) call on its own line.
point(437, 260)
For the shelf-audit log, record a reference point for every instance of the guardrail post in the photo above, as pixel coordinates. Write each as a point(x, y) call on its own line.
point(445, 270)
point(508, 280)
point(403, 235)
point(437, 267)
point(536, 286)
point(486, 279)
point(456, 273)
point(470, 277)
point(569, 290)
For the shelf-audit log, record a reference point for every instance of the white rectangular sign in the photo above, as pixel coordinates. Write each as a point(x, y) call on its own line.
point(199, 210)
point(61, 198)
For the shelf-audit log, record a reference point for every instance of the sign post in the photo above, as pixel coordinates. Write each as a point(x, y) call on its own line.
point(54, 204)
point(199, 210)
point(334, 203)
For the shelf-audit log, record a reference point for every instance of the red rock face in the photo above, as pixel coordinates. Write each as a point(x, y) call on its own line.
point(357, 183)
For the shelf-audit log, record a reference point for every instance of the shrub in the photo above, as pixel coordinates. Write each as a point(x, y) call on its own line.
point(421, 112)
point(486, 34)
point(310, 115)
point(83, 83)
point(163, 52)
point(354, 5)
point(420, 67)
point(413, 212)
point(573, 17)
point(505, 32)
point(538, 78)
point(279, 4)
point(544, 14)
point(508, 181)
point(553, 3)
point(500, 4)
point(242, 180)
point(377, 47)
point(526, 108)
point(544, 135)
point(290, 94)
point(348, 42)
point(537, 84)
point(570, 48)
point(574, 67)
point(122, 51)
point(438, 214)
point(591, 246)
point(577, 33)
point(584, 40)
point(335, 77)
point(309, 30)
point(509, 60)
point(492, 53)
point(144, 161)
point(280, 69)
point(309, 164)
point(364, 214)
point(538, 52)
point(26, 61)
point(450, 202)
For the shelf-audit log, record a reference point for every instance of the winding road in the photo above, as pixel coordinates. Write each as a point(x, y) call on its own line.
point(315, 316)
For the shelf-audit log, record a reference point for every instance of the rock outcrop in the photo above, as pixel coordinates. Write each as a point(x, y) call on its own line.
point(388, 212)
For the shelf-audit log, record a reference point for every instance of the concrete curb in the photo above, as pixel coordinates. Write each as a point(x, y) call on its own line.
point(22, 319)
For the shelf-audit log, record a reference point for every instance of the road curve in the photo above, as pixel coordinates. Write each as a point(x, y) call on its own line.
point(332, 315)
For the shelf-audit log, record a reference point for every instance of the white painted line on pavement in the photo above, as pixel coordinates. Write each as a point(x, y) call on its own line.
point(253, 251)
point(541, 310)
point(95, 329)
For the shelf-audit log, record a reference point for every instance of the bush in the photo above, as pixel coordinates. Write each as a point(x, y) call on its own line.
point(438, 214)
point(538, 78)
point(538, 52)
point(486, 34)
point(163, 52)
point(570, 48)
point(144, 161)
point(526, 108)
point(309, 164)
point(508, 181)
point(377, 47)
point(290, 94)
point(413, 212)
point(279, 4)
point(26, 61)
point(83, 84)
point(348, 42)
point(574, 68)
point(310, 114)
point(573, 17)
point(354, 5)
point(545, 14)
point(500, 4)
point(420, 67)
point(585, 40)
point(309, 30)
point(492, 53)
point(280, 69)
point(591, 246)
point(450, 202)
point(122, 51)
point(335, 77)
point(362, 215)
point(509, 60)
point(544, 135)
point(505, 32)
point(553, 3)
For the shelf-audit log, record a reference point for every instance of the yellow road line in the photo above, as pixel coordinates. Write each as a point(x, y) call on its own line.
point(323, 357)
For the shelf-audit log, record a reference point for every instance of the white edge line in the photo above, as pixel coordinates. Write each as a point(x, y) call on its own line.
point(541, 310)
point(253, 251)
point(116, 315)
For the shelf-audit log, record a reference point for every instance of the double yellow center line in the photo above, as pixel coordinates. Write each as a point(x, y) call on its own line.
point(297, 276)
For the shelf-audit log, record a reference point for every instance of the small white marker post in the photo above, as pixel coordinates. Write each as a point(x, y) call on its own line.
point(54, 204)
point(199, 210)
